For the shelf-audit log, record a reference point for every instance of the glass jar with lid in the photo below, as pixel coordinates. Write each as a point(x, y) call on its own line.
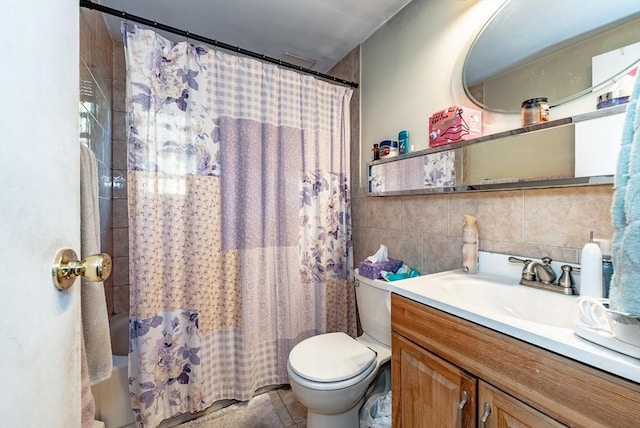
point(534, 110)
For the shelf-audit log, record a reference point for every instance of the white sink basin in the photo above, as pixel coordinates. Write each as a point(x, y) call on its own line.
point(540, 317)
point(485, 294)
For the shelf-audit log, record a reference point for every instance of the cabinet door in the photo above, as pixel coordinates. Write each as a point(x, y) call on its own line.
point(427, 391)
point(498, 409)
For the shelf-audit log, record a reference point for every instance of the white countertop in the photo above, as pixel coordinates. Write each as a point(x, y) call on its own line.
point(560, 340)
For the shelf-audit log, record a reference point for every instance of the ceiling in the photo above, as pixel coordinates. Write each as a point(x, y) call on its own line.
point(321, 30)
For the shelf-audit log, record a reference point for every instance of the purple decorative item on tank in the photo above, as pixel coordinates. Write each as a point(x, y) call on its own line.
point(372, 270)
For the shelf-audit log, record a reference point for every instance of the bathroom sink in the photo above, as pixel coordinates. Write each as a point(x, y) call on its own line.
point(505, 297)
point(493, 298)
point(540, 317)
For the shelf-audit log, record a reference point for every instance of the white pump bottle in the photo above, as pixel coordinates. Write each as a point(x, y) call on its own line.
point(591, 269)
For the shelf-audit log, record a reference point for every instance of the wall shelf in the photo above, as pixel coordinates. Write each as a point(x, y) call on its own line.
point(397, 165)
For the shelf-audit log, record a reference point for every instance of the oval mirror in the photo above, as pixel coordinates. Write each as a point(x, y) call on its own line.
point(545, 48)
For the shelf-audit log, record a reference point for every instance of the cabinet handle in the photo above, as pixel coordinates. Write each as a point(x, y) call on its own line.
point(461, 405)
point(485, 415)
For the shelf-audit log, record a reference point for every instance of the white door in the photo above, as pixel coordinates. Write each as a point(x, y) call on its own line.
point(39, 213)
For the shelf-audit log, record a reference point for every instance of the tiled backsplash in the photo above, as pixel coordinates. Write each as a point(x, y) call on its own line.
point(426, 231)
point(102, 86)
point(119, 170)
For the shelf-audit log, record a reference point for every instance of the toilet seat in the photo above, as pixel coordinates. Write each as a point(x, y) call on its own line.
point(331, 357)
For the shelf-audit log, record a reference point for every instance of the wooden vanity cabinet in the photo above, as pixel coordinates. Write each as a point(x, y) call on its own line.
point(436, 356)
point(498, 410)
point(430, 392)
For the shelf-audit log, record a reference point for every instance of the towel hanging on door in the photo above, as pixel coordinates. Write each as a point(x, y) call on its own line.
point(95, 320)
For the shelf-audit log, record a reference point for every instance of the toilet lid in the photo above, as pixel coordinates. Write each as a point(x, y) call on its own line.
point(330, 357)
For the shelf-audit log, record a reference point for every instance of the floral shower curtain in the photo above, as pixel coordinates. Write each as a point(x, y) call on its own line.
point(239, 222)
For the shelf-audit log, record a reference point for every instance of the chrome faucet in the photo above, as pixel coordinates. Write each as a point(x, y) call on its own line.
point(542, 275)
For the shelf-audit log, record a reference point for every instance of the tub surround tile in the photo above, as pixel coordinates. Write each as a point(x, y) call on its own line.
point(105, 189)
point(104, 206)
point(96, 91)
point(93, 133)
point(119, 131)
point(106, 241)
point(86, 53)
point(119, 178)
point(119, 64)
point(108, 294)
point(101, 146)
point(119, 96)
point(119, 155)
point(121, 242)
point(120, 271)
point(103, 106)
point(119, 165)
point(120, 213)
point(120, 298)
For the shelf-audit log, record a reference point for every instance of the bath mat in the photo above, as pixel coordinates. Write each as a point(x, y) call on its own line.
point(256, 413)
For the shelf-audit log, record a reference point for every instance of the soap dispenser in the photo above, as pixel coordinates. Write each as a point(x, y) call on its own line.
point(591, 269)
point(470, 238)
point(607, 265)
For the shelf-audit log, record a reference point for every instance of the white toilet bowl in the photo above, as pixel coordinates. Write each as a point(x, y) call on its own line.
point(331, 373)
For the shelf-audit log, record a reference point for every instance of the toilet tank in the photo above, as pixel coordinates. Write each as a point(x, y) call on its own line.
point(374, 308)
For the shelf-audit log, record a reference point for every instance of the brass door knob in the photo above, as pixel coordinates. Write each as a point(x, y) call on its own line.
point(66, 268)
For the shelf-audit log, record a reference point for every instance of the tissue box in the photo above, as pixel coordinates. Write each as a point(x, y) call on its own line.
point(372, 270)
point(454, 124)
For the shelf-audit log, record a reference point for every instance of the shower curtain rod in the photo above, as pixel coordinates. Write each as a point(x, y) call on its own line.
point(88, 4)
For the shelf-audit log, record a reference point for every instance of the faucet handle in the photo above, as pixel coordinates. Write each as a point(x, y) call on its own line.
point(527, 270)
point(566, 279)
point(517, 260)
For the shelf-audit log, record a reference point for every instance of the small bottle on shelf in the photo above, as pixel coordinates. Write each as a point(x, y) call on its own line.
point(376, 152)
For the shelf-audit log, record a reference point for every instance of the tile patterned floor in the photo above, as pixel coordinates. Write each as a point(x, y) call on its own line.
point(292, 413)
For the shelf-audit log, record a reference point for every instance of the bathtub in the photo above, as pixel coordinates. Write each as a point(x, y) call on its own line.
point(113, 405)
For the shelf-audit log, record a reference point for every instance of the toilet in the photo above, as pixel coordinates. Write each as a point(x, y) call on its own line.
point(333, 374)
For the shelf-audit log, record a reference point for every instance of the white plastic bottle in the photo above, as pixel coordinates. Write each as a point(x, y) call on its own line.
point(470, 237)
point(591, 269)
